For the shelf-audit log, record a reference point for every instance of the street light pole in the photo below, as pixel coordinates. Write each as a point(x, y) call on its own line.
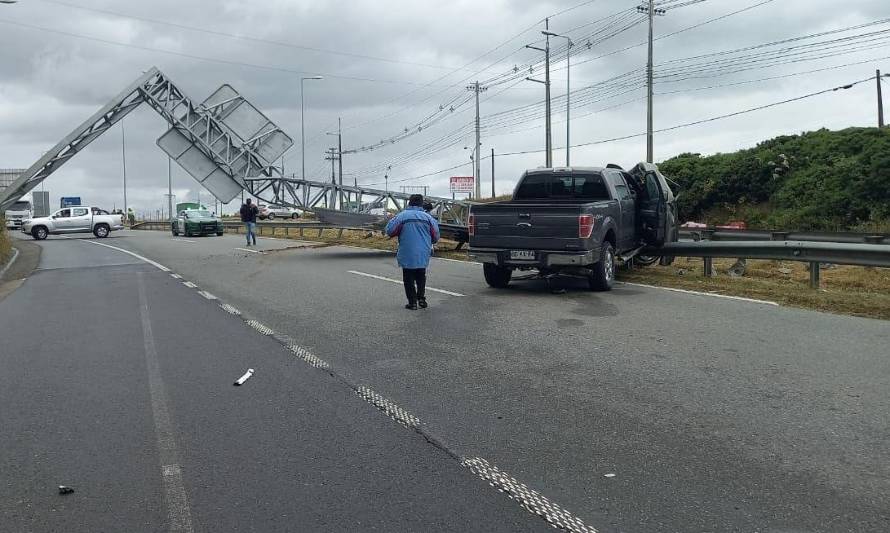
point(303, 124)
point(124, 161)
point(548, 143)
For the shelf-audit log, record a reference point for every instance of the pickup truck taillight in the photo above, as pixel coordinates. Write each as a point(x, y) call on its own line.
point(585, 226)
point(471, 225)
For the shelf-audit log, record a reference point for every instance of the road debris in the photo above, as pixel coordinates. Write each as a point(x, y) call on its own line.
point(65, 490)
point(244, 378)
point(609, 475)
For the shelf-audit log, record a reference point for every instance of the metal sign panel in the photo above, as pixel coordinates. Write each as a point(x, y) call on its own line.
point(462, 184)
point(248, 123)
point(40, 203)
point(68, 201)
point(224, 187)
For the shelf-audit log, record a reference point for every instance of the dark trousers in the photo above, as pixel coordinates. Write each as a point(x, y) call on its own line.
point(415, 284)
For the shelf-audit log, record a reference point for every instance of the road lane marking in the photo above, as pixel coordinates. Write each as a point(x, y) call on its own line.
point(398, 281)
point(189, 284)
point(529, 499)
point(307, 356)
point(207, 295)
point(391, 409)
point(175, 276)
point(251, 251)
point(259, 326)
point(177, 239)
point(128, 252)
point(230, 309)
point(699, 293)
point(178, 511)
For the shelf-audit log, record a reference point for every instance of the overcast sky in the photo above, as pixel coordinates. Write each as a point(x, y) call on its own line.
point(389, 66)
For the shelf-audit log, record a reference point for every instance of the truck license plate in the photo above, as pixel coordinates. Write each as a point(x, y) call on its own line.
point(522, 254)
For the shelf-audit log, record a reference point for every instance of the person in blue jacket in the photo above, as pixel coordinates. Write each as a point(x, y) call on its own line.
point(417, 232)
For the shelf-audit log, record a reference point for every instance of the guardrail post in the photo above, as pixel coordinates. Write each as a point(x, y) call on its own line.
point(709, 267)
point(340, 234)
point(815, 275)
point(319, 232)
point(287, 231)
point(301, 232)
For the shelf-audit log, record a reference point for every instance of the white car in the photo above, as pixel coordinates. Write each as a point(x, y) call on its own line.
point(17, 214)
point(74, 219)
point(272, 212)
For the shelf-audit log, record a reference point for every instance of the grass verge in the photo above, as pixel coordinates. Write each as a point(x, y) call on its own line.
point(5, 244)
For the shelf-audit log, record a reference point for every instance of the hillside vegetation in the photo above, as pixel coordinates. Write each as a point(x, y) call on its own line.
point(819, 180)
point(5, 244)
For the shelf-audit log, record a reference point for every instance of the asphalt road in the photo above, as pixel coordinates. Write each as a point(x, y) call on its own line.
point(118, 382)
point(635, 410)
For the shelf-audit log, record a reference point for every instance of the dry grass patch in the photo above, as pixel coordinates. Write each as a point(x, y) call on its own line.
point(5, 244)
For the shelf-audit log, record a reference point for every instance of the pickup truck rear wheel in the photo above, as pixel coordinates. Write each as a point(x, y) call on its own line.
point(39, 233)
point(101, 231)
point(496, 276)
point(271, 216)
point(295, 215)
point(174, 230)
point(603, 275)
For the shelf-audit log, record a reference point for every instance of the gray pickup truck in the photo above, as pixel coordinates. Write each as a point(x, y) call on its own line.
point(575, 221)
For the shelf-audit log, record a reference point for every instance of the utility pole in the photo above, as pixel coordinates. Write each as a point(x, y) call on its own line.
point(548, 143)
point(332, 156)
point(476, 88)
point(650, 145)
point(340, 149)
point(124, 160)
point(170, 187)
point(492, 173)
point(880, 101)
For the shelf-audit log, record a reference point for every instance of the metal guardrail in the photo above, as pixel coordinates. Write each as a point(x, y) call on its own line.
point(715, 234)
point(302, 229)
point(814, 253)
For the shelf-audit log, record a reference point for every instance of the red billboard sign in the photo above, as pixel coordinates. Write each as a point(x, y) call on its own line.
point(462, 183)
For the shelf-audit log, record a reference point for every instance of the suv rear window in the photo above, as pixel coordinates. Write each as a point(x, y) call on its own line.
point(577, 186)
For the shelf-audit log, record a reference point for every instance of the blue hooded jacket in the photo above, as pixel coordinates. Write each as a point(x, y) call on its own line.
point(417, 231)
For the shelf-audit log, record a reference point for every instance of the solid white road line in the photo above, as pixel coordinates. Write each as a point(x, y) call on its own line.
point(174, 489)
point(391, 409)
point(398, 281)
point(251, 251)
point(699, 293)
point(128, 252)
point(15, 255)
point(177, 239)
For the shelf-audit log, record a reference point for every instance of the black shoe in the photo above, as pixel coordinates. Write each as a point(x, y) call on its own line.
point(422, 303)
point(412, 307)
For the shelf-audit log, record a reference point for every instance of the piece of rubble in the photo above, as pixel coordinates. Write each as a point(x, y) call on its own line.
point(65, 490)
point(244, 378)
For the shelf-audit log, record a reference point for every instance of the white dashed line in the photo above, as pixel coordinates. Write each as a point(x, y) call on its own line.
point(251, 251)
point(529, 499)
point(230, 309)
point(265, 330)
point(699, 293)
point(382, 278)
point(307, 356)
point(392, 410)
point(207, 295)
point(189, 284)
point(175, 276)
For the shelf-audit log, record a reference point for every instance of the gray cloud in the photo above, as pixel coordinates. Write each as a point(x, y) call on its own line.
point(50, 82)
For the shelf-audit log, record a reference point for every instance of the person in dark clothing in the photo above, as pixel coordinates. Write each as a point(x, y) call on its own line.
point(417, 231)
point(248, 216)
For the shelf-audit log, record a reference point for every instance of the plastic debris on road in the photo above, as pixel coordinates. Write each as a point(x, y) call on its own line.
point(244, 378)
point(65, 490)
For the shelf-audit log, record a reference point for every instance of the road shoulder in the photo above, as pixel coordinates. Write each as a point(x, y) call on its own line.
point(27, 260)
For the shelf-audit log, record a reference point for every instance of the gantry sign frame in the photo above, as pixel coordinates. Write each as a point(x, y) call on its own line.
point(225, 143)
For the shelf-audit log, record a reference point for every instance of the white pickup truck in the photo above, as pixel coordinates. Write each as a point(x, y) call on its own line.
point(74, 219)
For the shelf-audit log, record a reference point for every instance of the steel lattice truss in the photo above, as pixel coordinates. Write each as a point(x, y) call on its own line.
point(237, 164)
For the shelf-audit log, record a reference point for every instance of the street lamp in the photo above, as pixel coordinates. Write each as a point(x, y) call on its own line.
point(569, 46)
point(302, 123)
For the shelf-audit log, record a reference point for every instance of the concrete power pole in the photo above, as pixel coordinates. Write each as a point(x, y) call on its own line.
point(170, 187)
point(476, 88)
point(650, 9)
point(548, 143)
point(124, 161)
point(492, 173)
point(880, 101)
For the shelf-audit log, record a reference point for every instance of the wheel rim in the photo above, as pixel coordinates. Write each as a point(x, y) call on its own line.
point(609, 265)
point(41, 233)
point(102, 231)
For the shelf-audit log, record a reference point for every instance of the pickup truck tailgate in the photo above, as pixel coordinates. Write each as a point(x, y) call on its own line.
point(527, 226)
